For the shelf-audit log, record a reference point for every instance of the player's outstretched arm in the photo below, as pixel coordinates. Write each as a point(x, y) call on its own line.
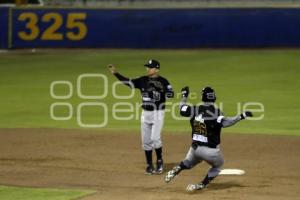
point(185, 110)
point(230, 121)
point(121, 78)
point(184, 95)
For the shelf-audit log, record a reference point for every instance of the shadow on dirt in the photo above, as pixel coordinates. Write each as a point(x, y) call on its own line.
point(211, 187)
point(169, 166)
point(227, 185)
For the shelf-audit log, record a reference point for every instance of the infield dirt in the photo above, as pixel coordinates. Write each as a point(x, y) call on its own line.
point(112, 164)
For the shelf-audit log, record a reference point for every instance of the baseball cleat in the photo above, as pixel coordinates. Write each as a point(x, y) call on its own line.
point(159, 167)
point(194, 187)
point(149, 170)
point(172, 173)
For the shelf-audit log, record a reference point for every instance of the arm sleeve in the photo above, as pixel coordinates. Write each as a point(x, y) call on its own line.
point(228, 121)
point(125, 80)
point(185, 110)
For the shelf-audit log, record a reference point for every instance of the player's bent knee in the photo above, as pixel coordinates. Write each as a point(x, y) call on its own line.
point(220, 163)
point(157, 144)
point(147, 147)
point(214, 172)
point(186, 164)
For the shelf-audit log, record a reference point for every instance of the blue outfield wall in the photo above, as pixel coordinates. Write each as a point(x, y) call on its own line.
point(154, 28)
point(3, 28)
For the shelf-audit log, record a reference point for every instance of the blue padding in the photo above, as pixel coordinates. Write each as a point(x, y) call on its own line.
point(171, 28)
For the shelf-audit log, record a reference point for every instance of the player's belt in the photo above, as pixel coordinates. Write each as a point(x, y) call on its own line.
point(152, 108)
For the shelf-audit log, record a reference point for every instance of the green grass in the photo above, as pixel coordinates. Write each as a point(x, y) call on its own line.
point(17, 193)
point(238, 76)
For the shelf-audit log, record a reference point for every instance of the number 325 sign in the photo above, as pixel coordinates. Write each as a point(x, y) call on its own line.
point(73, 28)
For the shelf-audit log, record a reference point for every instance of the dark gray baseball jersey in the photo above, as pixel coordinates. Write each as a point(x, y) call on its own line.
point(206, 121)
point(154, 91)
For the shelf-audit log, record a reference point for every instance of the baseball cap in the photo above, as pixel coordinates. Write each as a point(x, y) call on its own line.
point(152, 64)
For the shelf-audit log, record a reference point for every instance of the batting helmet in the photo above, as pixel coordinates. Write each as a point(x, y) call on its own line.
point(152, 64)
point(208, 95)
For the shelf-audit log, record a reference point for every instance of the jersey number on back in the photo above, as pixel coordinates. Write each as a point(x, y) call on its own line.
point(199, 126)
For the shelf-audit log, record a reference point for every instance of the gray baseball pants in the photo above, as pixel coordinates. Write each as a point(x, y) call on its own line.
point(151, 126)
point(213, 156)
